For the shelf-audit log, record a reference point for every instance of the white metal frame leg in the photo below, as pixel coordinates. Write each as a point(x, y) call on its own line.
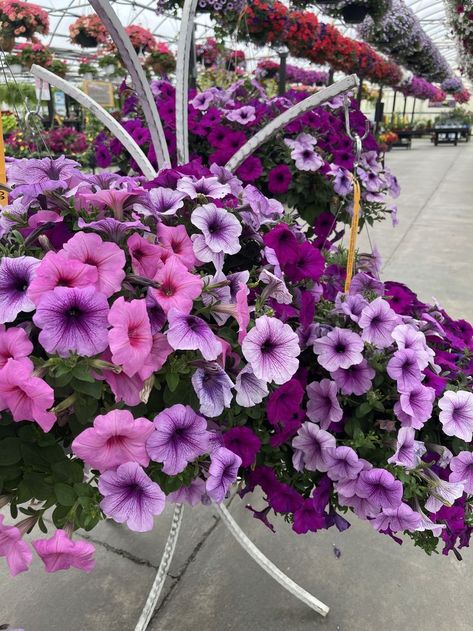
point(269, 567)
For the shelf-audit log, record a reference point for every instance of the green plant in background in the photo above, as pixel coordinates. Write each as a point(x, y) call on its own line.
point(59, 67)
point(9, 122)
point(85, 67)
point(15, 94)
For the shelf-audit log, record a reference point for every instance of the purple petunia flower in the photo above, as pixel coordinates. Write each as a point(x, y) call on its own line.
point(363, 283)
point(250, 390)
point(271, 348)
point(192, 494)
point(181, 436)
point(213, 388)
point(397, 519)
point(16, 275)
point(242, 115)
point(378, 321)
point(161, 202)
point(279, 179)
point(354, 380)
point(306, 159)
point(223, 471)
point(311, 444)
point(32, 177)
point(461, 467)
point(73, 320)
point(244, 443)
point(190, 333)
point(456, 414)
point(407, 337)
point(221, 229)
point(408, 451)
point(351, 305)
point(308, 518)
point(207, 186)
point(380, 488)
point(224, 176)
point(414, 407)
point(130, 496)
point(250, 170)
point(323, 406)
point(343, 463)
point(404, 368)
point(341, 348)
point(284, 403)
point(342, 182)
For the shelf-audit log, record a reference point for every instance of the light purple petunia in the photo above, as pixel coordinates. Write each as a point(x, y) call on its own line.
point(414, 407)
point(32, 177)
point(403, 367)
point(242, 115)
point(311, 444)
point(407, 337)
point(11, 214)
point(340, 348)
point(397, 519)
point(16, 275)
point(275, 288)
point(443, 493)
point(380, 488)
point(190, 333)
point(161, 202)
point(343, 463)
point(213, 388)
point(456, 414)
point(224, 176)
point(306, 159)
point(351, 305)
point(354, 380)
point(221, 230)
point(271, 348)
point(362, 282)
point(73, 320)
point(342, 182)
point(206, 186)
point(115, 230)
point(223, 471)
point(323, 406)
point(250, 390)
point(191, 494)
point(378, 321)
point(461, 467)
point(130, 496)
point(181, 436)
point(408, 450)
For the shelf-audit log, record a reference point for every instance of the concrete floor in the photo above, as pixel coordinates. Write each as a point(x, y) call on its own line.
point(375, 585)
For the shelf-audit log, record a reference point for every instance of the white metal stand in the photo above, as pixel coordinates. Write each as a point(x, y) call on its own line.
point(247, 545)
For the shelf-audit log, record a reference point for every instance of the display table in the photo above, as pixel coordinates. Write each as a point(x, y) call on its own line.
point(404, 138)
point(446, 135)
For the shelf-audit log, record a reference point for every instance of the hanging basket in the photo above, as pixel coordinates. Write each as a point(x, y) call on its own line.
point(84, 40)
point(354, 13)
point(7, 43)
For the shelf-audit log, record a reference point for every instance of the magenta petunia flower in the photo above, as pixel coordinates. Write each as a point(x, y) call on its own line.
point(15, 344)
point(279, 179)
point(180, 437)
point(56, 270)
point(283, 241)
point(342, 463)
point(206, 186)
point(60, 552)
point(397, 519)
point(414, 407)
point(356, 379)
point(250, 170)
point(223, 471)
point(27, 397)
point(130, 496)
point(308, 265)
point(250, 390)
point(308, 518)
point(160, 351)
point(130, 338)
point(190, 333)
point(73, 320)
point(244, 443)
point(456, 414)
point(380, 488)
point(146, 257)
point(114, 439)
point(271, 348)
point(213, 388)
point(178, 287)
point(378, 321)
point(221, 229)
point(176, 241)
point(284, 403)
point(107, 258)
point(16, 275)
point(408, 451)
point(404, 368)
point(461, 467)
point(161, 201)
point(323, 406)
point(312, 443)
point(16, 551)
point(340, 348)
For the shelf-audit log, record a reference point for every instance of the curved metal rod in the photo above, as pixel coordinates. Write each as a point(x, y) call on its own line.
point(182, 80)
point(143, 91)
point(348, 83)
point(99, 112)
point(267, 565)
point(163, 569)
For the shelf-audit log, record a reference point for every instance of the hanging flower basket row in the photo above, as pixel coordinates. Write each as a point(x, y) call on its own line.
point(20, 19)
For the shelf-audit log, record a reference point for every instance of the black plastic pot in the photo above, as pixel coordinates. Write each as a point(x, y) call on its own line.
point(354, 13)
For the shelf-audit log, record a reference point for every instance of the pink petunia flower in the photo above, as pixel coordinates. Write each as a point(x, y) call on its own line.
point(107, 258)
point(146, 257)
point(178, 287)
point(176, 241)
point(60, 552)
point(130, 338)
point(16, 551)
point(15, 344)
point(27, 397)
point(114, 439)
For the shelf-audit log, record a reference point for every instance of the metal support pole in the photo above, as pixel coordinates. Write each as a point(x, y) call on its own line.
point(405, 107)
point(413, 111)
point(394, 106)
point(282, 71)
point(378, 115)
point(330, 76)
